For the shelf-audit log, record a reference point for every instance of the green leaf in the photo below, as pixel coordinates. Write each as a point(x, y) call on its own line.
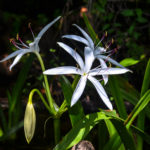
point(127, 13)
point(141, 20)
point(140, 132)
point(113, 143)
point(146, 81)
point(80, 130)
point(12, 130)
point(115, 90)
point(142, 103)
point(129, 62)
point(125, 136)
point(90, 29)
point(139, 12)
point(15, 107)
point(3, 119)
point(141, 117)
point(75, 112)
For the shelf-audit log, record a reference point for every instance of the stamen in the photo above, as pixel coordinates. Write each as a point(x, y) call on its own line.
point(29, 26)
point(111, 42)
point(105, 34)
point(110, 65)
point(17, 36)
point(23, 43)
point(14, 43)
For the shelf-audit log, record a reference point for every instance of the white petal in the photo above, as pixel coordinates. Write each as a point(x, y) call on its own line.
point(73, 53)
point(99, 50)
point(16, 60)
point(91, 44)
point(89, 58)
point(13, 55)
point(62, 70)
point(108, 71)
point(101, 92)
point(79, 90)
point(103, 65)
point(77, 38)
point(109, 60)
point(47, 27)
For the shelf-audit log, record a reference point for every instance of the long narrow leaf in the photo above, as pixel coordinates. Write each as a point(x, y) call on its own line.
point(115, 90)
point(138, 108)
point(75, 112)
point(141, 118)
point(80, 130)
point(125, 136)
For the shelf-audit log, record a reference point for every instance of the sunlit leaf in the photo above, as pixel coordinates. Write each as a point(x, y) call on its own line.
point(129, 62)
point(80, 130)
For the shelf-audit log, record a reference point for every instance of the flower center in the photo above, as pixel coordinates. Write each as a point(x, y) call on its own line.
point(84, 74)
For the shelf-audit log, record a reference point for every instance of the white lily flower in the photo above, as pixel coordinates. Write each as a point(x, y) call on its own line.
point(32, 48)
point(97, 50)
point(86, 73)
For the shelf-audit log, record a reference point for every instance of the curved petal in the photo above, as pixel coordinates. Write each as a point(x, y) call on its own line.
point(91, 44)
point(107, 71)
point(77, 38)
point(101, 92)
point(73, 53)
point(79, 90)
point(110, 60)
point(103, 65)
point(62, 70)
point(47, 27)
point(13, 54)
point(89, 58)
point(16, 60)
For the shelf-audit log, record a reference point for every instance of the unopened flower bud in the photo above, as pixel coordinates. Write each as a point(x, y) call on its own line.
point(29, 121)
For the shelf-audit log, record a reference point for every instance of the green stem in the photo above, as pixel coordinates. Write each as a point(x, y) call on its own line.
point(41, 96)
point(49, 97)
point(57, 130)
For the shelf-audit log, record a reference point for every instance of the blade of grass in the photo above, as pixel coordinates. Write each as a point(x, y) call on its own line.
point(15, 107)
point(138, 108)
point(90, 29)
point(80, 130)
point(3, 120)
point(75, 112)
point(115, 90)
point(141, 117)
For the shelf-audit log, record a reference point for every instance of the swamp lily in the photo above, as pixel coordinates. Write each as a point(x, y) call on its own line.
point(86, 73)
point(97, 50)
point(32, 48)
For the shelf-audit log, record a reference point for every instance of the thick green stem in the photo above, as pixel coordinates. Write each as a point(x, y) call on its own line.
point(57, 130)
point(49, 97)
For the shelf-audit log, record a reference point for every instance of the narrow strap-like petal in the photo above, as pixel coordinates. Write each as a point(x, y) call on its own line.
point(77, 38)
point(103, 65)
point(79, 90)
point(16, 60)
point(101, 92)
point(89, 58)
point(13, 55)
point(108, 71)
point(47, 27)
point(73, 53)
point(62, 70)
point(86, 36)
point(109, 60)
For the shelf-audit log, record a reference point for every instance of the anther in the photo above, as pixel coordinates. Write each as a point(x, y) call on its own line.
point(17, 36)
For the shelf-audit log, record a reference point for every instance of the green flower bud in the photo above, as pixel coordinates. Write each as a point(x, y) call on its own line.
point(29, 121)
